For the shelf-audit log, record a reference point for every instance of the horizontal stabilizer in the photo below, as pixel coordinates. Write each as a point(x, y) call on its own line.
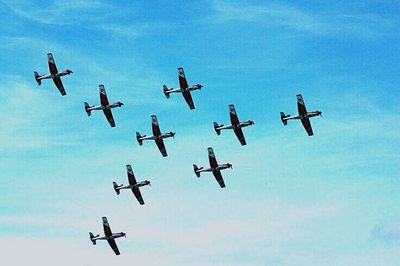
point(165, 89)
point(138, 137)
point(37, 78)
point(196, 170)
point(116, 188)
point(87, 109)
point(92, 238)
point(216, 128)
point(283, 116)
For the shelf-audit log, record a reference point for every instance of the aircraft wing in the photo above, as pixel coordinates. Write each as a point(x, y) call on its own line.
point(132, 181)
point(113, 245)
point(218, 177)
point(161, 147)
point(106, 226)
point(211, 158)
point(53, 70)
point(131, 176)
point(234, 117)
point(239, 134)
point(307, 125)
point(109, 116)
point(188, 99)
point(52, 64)
point(300, 105)
point(103, 96)
point(138, 195)
point(59, 85)
point(155, 126)
point(182, 79)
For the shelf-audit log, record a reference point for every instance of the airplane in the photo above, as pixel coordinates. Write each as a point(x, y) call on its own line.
point(303, 115)
point(235, 125)
point(105, 106)
point(133, 185)
point(184, 88)
point(157, 136)
point(215, 168)
point(108, 235)
point(54, 74)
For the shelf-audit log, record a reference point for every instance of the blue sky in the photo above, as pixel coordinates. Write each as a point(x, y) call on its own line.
point(330, 199)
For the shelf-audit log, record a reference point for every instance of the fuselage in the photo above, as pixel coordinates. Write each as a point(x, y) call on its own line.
point(57, 75)
point(105, 107)
point(218, 168)
point(308, 115)
point(162, 136)
point(113, 236)
point(240, 125)
point(190, 88)
point(137, 185)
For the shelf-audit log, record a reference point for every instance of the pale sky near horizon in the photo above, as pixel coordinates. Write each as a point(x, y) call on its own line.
point(330, 199)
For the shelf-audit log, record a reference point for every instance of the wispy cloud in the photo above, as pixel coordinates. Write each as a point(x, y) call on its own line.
point(60, 13)
point(388, 233)
point(290, 16)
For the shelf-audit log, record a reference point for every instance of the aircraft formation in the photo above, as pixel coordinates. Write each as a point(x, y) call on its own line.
point(158, 136)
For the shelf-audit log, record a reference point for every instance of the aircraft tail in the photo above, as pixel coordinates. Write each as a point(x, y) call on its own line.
point(117, 190)
point(165, 89)
point(87, 109)
point(196, 169)
point(37, 78)
point(138, 136)
point(218, 131)
point(92, 238)
point(283, 116)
